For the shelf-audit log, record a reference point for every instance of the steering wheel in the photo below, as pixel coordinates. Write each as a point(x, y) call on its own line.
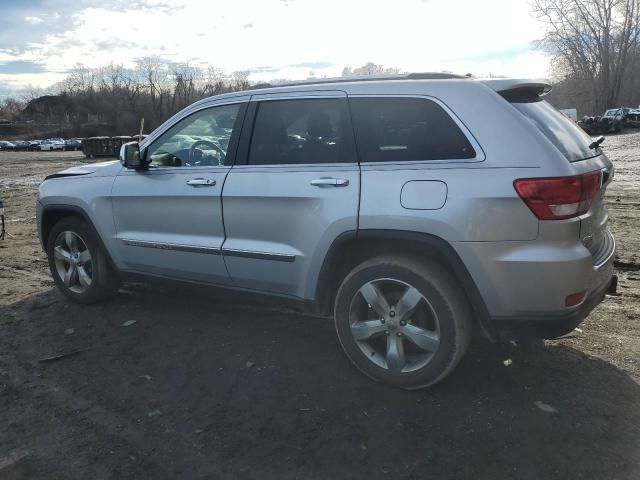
point(194, 158)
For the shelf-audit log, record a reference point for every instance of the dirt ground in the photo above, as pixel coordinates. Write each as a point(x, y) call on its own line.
point(208, 385)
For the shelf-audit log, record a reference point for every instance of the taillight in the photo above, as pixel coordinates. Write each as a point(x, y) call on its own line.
point(560, 197)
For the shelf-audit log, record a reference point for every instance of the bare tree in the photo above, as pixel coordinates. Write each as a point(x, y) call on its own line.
point(81, 79)
point(186, 79)
point(216, 81)
point(111, 99)
point(11, 109)
point(369, 69)
point(31, 92)
point(593, 39)
point(154, 71)
point(240, 80)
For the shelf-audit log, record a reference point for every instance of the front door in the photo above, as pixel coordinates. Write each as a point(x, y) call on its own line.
point(169, 217)
point(296, 192)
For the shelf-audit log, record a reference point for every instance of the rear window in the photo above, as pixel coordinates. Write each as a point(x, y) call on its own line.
point(567, 137)
point(406, 129)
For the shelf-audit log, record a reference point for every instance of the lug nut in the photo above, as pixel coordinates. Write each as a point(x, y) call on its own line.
point(403, 322)
point(392, 313)
point(399, 334)
point(382, 320)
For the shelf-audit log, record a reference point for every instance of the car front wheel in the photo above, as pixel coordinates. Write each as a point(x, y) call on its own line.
point(78, 264)
point(403, 321)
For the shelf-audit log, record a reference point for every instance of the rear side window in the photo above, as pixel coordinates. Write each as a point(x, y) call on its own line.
point(406, 129)
point(565, 135)
point(307, 131)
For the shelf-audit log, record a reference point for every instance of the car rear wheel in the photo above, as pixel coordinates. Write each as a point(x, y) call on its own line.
point(402, 321)
point(78, 264)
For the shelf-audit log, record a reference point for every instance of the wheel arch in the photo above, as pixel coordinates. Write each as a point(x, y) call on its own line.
point(52, 214)
point(353, 247)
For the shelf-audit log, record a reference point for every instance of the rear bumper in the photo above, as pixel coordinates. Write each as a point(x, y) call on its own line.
point(524, 285)
point(552, 325)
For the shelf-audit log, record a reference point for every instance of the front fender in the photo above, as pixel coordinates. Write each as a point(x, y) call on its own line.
point(88, 197)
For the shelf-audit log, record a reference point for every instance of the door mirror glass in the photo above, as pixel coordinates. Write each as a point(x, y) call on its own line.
point(130, 155)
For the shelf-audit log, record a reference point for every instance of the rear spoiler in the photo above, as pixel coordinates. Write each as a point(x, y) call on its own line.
point(518, 90)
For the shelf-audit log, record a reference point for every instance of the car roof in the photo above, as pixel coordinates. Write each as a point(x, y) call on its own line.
point(384, 81)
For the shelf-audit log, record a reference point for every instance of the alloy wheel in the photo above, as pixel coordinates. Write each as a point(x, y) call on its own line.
point(394, 325)
point(73, 261)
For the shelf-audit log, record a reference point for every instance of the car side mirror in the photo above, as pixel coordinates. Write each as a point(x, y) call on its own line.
point(130, 156)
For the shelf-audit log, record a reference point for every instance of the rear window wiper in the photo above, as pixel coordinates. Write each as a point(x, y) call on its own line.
point(596, 143)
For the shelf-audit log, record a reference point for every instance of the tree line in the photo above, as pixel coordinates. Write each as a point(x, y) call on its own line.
point(595, 48)
point(112, 99)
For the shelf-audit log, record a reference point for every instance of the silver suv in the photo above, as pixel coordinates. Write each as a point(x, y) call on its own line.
point(415, 210)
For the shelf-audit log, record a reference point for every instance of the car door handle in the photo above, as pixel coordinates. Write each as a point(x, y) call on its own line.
point(326, 182)
point(201, 182)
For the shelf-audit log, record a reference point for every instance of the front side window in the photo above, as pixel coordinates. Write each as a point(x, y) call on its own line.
point(399, 129)
point(308, 131)
point(201, 139)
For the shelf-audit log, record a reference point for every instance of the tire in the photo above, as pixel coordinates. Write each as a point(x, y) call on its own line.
point(440, 321)
point(93, 278)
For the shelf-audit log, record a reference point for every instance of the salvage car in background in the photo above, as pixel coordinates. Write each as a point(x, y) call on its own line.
point(34, 145)
point(20, 145)
point(51, 144)
point(631, 117)
point(72, 144)
point(4, 145)
point(611, 121)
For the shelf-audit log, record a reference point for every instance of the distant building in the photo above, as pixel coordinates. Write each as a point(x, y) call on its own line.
point(51, 107)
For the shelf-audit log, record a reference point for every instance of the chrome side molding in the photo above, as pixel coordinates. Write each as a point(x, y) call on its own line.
point(230, 252)
point(278, 257)
point(171, 246)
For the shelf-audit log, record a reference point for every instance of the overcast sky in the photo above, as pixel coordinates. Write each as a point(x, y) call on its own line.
point(41, 39)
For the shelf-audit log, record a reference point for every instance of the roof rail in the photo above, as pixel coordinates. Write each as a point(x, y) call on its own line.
point(364, 78)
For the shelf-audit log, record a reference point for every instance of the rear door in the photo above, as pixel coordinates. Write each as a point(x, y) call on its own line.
point(295, 193)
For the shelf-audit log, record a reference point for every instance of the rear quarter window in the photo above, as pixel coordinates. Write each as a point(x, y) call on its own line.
point(562, 132)
point(406, 129)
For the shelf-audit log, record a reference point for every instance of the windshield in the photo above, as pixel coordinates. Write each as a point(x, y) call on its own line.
point(565, 135)
point(610, 113)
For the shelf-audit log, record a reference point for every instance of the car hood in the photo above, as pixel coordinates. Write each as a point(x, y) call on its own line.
point(100, 169)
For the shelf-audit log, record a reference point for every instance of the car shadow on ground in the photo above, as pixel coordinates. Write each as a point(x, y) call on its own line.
point(201, 385)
